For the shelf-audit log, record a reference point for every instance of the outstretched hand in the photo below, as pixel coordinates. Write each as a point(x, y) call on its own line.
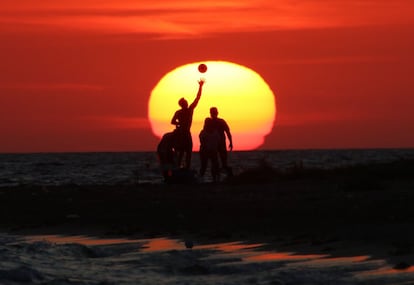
point(201, 82)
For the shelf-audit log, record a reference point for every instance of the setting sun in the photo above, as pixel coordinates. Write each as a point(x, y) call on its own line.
point(241, 95)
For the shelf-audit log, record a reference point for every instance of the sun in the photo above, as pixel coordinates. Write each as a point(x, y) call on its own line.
point(241, 95)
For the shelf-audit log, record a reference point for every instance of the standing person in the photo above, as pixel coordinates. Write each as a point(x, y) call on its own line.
point(223, 130)
point(209, 143)
point(166, 154)
point(183, 119)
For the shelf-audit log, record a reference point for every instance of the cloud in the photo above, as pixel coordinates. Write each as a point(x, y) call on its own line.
point(334, 60)
point(325, 118)
point(197, 18)
point(52, 87)
point(118, 122)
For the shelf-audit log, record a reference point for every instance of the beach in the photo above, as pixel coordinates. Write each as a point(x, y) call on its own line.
point(362, 210)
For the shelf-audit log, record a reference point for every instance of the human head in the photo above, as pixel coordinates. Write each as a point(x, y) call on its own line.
point(213, 112)
point(183, 103)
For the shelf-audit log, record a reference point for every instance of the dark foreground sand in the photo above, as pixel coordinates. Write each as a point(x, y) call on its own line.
point(363, 210)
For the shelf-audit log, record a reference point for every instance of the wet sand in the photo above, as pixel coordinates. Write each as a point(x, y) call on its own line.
point(363, 210)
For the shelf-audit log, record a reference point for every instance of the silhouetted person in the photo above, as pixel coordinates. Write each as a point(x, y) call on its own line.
point(166, 154)
point(209, 143)
point(183, 119)
point(223, 130)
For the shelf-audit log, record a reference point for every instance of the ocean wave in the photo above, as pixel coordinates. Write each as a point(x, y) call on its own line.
point(142, 167)
point(44, 262)
point(21, 274)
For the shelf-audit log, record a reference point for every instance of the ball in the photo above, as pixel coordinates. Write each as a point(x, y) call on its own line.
point(202, 68)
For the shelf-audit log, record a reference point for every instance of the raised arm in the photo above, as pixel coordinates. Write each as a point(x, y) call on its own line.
point(200, 89)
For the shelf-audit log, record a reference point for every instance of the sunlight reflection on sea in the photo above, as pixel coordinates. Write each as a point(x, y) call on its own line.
point(59, 259)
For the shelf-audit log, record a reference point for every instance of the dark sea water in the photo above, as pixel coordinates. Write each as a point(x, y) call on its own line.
point(142, 167)
point(86, 260)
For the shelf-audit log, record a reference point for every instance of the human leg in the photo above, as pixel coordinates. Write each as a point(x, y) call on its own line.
point(188, 154)
point(215, 172)
point(223, 159)
point(203, 162)
point(188, 150)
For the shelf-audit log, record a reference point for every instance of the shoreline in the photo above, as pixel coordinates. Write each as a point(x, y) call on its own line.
point(362, 210)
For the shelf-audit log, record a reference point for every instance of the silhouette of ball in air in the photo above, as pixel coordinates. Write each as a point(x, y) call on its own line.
point(202, 68)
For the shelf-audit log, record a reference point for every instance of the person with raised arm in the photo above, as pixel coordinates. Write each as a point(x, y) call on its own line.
point(183, 119)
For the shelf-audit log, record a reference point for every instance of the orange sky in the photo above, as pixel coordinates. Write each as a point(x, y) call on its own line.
point(76, 75)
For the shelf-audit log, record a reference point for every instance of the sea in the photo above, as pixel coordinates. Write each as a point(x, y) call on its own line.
point(116, 168)
point(86, 260)
point(165, 260)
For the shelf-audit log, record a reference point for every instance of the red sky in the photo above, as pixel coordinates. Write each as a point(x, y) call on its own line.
point(76, 75)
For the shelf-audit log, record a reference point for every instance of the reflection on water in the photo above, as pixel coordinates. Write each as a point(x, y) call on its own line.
point(148, 245)
point(338, 260)
point(386, 270)
point(249, 252)
point(235, 246)
point(274, 256)
point(168, 256)
point(84, 240)
point(159, 244)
